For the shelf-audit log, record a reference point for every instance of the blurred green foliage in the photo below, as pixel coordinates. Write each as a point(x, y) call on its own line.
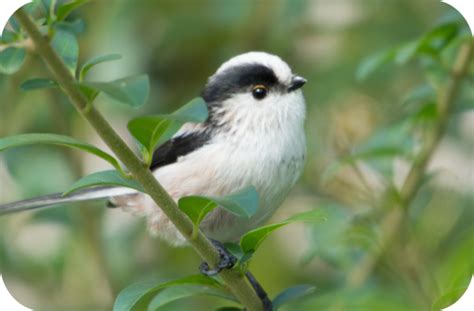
point(375, 70)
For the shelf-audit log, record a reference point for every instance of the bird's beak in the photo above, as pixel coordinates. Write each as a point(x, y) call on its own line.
point(296, 83)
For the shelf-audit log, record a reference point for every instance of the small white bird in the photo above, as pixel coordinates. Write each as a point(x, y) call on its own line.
point(254, 136)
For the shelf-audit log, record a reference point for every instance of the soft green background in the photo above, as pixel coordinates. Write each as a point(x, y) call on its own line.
point(79, 257)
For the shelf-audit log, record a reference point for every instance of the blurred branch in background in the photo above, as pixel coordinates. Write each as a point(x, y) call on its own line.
point(392, 222)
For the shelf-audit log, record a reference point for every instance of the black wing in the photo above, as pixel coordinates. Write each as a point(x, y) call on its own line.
point(171, 150)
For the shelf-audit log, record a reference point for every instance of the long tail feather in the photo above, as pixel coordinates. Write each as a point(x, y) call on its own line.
point(57, 198)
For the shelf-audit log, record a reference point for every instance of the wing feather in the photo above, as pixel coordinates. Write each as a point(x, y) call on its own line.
point(178, 146)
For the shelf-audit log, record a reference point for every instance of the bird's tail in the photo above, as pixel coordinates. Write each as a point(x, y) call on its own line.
point(59, 198)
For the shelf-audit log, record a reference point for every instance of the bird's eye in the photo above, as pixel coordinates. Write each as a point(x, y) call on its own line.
point(259, 91)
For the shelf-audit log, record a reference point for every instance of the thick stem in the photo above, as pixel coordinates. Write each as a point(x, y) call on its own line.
point(234, 281)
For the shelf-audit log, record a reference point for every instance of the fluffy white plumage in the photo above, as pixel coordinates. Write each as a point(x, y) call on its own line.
point(264, 146)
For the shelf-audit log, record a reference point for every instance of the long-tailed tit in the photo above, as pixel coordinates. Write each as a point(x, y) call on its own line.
point(254, 135)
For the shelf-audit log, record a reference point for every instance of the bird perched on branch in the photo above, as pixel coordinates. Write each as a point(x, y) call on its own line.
point(254, 135)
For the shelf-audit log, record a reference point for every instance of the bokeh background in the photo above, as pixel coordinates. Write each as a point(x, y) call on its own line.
point(78, 257)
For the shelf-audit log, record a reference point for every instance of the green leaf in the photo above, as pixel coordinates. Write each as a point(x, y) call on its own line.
point(14, 25)
point(196, 208)
point(179, 292)
point(421, 93)
point(36, 84)
point(195, 111)
point(66, 9)
point(104, 178)
point(427, 112)
point(95, 61)
point(65, 44)
point(75, 27)
point(131, 296)
point(438, 38)
point(11, 60)
point(234, 249)
point(429, 44)
point(8, 36)
point(47, 6)
point(373, 63)
point(132, 91)
point(243, 203)
point(406, 52)
point(89, 92)
point(312, 216)
point(53, 139)
point(254, 238)
point(454, 294)
point(292, 293)
point(150, 131)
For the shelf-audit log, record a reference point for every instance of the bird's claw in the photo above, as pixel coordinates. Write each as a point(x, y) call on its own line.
point(227, 261)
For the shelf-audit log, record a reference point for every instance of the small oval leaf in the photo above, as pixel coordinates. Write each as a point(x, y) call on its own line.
point(132, 295)
point(132, 91)
point(75, 27)
point(66, 9)
point(179, 292)
point(196, 208)
point(54, 139)
point(104, 178)
point(243, 203)
point(292, 293)
point(96, 61)
point(373, 63)
point(65, 44)
point(150, 131)
point(11, 60)
point(36, 84)
point(194, 111)
point(250, 241)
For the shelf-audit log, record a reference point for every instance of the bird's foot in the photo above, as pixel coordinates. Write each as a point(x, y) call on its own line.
point(261, 293)
point(227, 261)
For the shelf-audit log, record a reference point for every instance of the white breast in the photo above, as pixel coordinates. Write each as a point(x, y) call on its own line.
point(260, 145)
point(263, 146)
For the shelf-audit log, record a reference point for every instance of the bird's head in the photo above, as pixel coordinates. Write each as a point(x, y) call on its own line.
point(253, 85)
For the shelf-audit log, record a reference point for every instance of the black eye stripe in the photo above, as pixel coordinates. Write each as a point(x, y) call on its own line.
point(238, 80)
point(254, 74)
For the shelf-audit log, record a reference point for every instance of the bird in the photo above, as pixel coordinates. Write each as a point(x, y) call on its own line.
point(254, 136)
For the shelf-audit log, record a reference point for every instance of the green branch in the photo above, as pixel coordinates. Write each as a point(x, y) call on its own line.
point(233, 279)
point(391, 224)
